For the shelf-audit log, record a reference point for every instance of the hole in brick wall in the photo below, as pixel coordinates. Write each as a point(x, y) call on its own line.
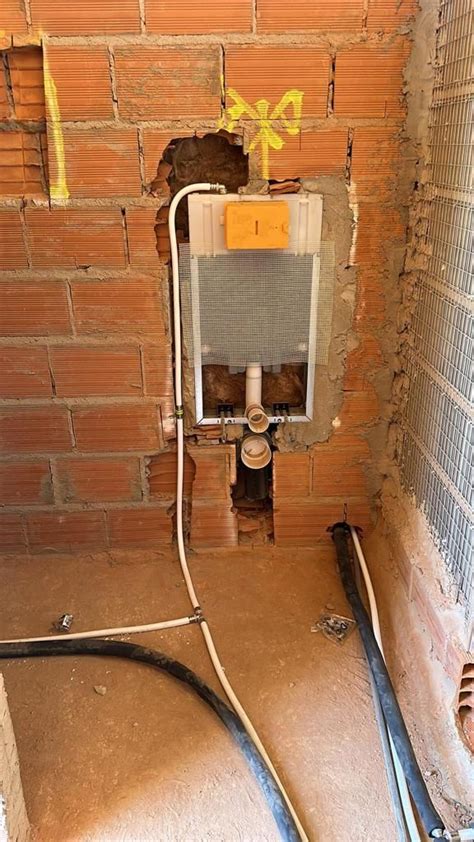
point(466, 704)
point(187, 160)
point(287, 386)
point(252, 499)
point(23, 143)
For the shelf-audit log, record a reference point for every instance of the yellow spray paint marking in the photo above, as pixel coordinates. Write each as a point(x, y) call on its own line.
point(267, 136)
point(58, 189)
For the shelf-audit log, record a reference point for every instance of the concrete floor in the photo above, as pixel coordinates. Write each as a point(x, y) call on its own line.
point(147, 761)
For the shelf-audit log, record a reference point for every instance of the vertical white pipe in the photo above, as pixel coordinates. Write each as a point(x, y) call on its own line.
point(253, 384)
point(257, 418)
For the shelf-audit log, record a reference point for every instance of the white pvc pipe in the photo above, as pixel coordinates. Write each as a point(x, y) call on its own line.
point(257, 418)
point(412, 826)
point(253, 384)
point(148, 627)
point(220, 672)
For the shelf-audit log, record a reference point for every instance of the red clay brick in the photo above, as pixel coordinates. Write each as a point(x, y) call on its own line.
point(338, 467)
point(75, 237)
point(191, 18)
point(141, 236)
point(13, 17)
point(269, 72)
point(161, 472)
point(21, 166)
point(373, 250)
point(24, 372)
point(100, 162)
point(213, 524)
point(154, 144)
point(387, 17)
point(215, 471)
point(375, 158)
point(291, 475)
point(12, 247)
point(39, 309)
point(118, 307)
point(128, 527)
point(25, 482)
point(147, 86)
point(5, 108)
point(12, 538)
point(99, 480)
point(369, 80)
point(157, 369)
point(26, 73)
point(82, 79)
point(301, 16)
point(107, 17)
point(34, 430)
point(65, 531)
point(98, 370)
point(117, 428)
point(358, 408)
point(302, 523)
point(310, 154)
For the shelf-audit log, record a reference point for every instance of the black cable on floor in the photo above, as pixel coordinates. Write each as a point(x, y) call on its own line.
point(119, 649)
point(431, 819)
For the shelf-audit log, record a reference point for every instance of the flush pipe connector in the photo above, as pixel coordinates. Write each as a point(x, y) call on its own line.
point(218, 188)
point(255, 414)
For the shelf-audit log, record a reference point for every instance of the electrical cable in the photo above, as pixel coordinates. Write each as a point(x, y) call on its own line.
point(398, 787)
point(134, 652)
point(430, 818)
point(220, 672)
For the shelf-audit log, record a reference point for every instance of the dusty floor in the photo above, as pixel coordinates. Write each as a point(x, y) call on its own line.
point(146, 761)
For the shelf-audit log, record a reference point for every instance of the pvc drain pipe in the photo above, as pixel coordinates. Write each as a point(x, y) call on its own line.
point(220, 672)
point(255, 451)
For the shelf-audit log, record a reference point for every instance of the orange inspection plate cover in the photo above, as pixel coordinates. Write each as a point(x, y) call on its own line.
point(257, 225)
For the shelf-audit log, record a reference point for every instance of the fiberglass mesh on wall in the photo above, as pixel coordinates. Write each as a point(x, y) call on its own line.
point(436, 460)
point(258, 306)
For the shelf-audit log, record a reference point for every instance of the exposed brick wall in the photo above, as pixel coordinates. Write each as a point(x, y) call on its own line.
point(86, 384)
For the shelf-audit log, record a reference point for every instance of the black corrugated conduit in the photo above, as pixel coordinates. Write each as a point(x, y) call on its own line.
point(430, 818)
point(120, 649)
